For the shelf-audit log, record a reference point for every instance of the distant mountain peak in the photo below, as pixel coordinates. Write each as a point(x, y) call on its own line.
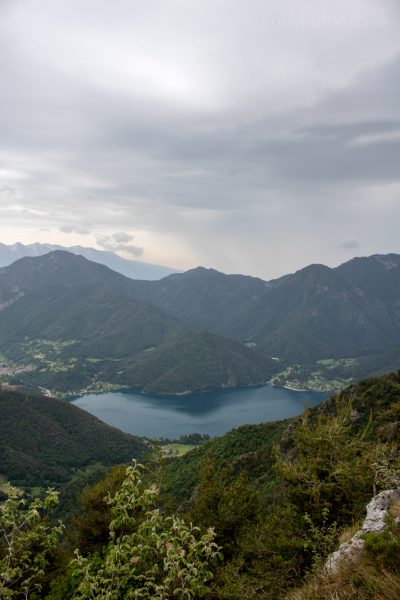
point(134, 269)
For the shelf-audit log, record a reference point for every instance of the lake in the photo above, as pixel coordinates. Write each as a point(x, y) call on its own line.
point(213, 412)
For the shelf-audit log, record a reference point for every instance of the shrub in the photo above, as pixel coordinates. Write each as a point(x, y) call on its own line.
point(29, 544)
point(159, 558)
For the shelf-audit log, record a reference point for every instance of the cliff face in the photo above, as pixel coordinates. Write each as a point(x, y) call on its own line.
point(377, 512)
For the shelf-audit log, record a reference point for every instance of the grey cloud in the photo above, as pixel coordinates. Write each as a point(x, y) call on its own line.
point(116, 243)
point(75, 229)
point(122, 237)
point(350, 244)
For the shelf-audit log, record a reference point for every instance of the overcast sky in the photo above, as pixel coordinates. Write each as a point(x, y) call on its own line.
point(250, 136)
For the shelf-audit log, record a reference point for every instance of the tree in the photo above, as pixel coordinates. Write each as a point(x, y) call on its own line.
point(229, 505)
point(328, 467)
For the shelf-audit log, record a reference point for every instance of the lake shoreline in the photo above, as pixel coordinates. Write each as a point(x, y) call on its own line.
point(212, 412)
point(126, 389)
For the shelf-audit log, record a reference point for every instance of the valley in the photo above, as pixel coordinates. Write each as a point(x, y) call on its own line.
point(172, 373)
point(42, 359)
point(70, 326)
point(199, 300)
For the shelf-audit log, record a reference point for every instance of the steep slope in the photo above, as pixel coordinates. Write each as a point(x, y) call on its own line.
point(318, 312)
point(74, 323)
point(134, 269)
point(205, 298)
point(42, 440)
point(310, 478)
point(52, 270)
point(250, 448)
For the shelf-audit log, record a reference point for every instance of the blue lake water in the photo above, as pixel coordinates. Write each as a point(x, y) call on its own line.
point(210, 412)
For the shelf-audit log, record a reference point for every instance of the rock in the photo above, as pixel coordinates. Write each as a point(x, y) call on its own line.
point(377, 511)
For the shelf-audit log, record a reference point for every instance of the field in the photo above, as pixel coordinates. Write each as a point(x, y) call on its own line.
point(176, 449)
point(44, 363)
point(6, 488)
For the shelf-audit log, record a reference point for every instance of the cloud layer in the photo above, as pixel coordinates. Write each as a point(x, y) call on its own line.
point(248, 136)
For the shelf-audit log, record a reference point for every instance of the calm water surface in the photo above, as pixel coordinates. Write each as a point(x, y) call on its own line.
point(210, 412)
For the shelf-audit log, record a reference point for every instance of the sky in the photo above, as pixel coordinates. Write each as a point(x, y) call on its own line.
point(251, 136)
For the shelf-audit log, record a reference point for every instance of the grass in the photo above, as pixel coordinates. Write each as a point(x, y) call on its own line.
point(395, 509)
point(349, 532)
point(10, 490)
point(353, 581)
point(372, 575)
point(176, 449)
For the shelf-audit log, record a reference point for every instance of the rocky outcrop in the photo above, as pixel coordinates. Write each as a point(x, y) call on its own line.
point(375, 521)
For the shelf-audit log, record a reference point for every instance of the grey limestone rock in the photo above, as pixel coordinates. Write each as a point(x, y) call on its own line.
point(377, 511)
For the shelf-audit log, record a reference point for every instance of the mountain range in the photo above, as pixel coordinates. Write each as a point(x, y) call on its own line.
point(73, 323)
point(76, 323)
point(135, 269)
point(318, 312)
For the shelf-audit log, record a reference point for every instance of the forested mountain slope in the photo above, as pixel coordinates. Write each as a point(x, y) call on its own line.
point(318, 312)
point(73, 323)
point(322, 324)
point(276, 498)
point(43, 440)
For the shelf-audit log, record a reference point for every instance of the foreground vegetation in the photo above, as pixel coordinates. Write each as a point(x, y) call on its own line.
point(147, 555)
point(270, 501)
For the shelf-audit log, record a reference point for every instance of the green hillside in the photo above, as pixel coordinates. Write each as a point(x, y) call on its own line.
point(256, 484)
point(69, 324)
point(77, 324)
point(249, 447)
point(318, 313)
point(45, 441)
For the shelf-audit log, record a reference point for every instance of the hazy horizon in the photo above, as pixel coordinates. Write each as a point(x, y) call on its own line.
point(140, 260)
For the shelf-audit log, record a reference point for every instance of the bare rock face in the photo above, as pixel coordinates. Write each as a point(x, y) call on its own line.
point(377, 511)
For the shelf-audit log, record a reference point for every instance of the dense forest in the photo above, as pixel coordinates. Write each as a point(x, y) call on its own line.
point(253, 514)
point(44, 441)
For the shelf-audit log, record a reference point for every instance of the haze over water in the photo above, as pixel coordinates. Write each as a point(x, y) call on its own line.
point(213, 412)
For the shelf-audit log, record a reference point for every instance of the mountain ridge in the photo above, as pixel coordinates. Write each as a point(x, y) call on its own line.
point(322, 323)
point(73, 322)
point(264, 311)
point(133, 269)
